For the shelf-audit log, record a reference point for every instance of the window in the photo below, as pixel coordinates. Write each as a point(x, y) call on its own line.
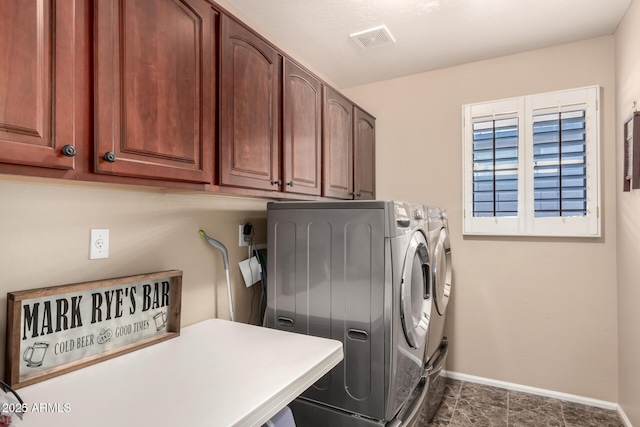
point(531, 165)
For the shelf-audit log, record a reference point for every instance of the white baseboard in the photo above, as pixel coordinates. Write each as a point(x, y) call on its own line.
point(534, 390)
point(623, 416)
point(542, 392)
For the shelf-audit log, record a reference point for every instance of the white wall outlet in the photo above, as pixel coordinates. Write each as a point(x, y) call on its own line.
point(241, 241)
point(99, 244)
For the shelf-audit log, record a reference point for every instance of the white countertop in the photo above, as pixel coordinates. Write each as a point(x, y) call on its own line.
point(216, 373)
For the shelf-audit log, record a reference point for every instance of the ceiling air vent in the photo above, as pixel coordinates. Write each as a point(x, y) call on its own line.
point(373, 37)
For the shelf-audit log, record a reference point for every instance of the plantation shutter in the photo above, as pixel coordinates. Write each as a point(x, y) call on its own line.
point(560, 169)
point(495, 166)
point(531, 165)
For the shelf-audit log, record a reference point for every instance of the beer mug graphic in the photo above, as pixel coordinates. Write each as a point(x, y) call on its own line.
point(34, 354)
point(160, 320)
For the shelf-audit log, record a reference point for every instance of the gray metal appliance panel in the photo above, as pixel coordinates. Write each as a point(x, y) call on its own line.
point(336, 204)
point(327, 278)
point(309, 414)
point(407, 363)
point(436, 380)
point(435, 334)
point(437, 225)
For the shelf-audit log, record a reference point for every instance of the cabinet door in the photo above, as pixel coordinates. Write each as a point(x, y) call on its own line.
point(250, 73)
point(364, 160)
point(337, 146)
point(37, 41)
point(302, 146)
point(154, 100)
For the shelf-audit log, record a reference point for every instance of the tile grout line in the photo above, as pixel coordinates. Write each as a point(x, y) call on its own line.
point(548, 401)
point(457, 399)
point(508, 394)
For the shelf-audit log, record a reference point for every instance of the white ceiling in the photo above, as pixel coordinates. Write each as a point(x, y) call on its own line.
point(429, 34)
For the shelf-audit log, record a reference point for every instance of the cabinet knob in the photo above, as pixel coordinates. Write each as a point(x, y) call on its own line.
point(290, 183)
point(109, 156)
point(355, 195)
point(276, 182)
point(69, 150)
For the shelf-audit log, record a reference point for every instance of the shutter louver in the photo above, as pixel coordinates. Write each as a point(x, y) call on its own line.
point(559, 155)
point(495, 167)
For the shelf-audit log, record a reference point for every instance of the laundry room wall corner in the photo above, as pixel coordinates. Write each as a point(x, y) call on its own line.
point(539, 311)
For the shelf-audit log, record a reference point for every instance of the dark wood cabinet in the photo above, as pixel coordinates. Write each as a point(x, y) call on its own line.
point(171, 93)
point(250, 82)
point(364, 140)
point(349, 149)
point(37, 40)
point(154, 71)
point(337, 146)
point(302, 122)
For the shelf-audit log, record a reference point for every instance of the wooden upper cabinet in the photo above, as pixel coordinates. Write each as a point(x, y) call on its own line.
point(338, 146)
point(37, 59)
point(364, 144)
point(155, 88)
point(302, 146)
point(250, 81)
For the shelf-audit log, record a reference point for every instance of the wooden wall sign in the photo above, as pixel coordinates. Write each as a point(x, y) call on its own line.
point(632, 152)
point(52, 331)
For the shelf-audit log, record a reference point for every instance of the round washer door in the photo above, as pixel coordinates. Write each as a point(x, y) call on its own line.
point(442, 272)
point(414, 294)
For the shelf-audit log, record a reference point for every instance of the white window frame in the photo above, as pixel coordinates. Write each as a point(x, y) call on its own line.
point(525, 223)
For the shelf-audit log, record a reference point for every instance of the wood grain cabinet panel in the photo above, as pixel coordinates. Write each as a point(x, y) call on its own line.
point(302, 145)
point(37, 42)
point(155, 88)
point(337, 146)
point(250, 81)
point(364, 139)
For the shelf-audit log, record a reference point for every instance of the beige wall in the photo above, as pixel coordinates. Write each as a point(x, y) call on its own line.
point(534, 311)
point(44, 240)
point(627, 61)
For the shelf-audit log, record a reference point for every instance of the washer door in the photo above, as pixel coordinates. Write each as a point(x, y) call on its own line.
point(414, 293)
point(442, 272)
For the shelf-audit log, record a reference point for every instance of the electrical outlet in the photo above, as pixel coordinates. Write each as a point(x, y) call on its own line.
point(241, 241)
point(99, 244)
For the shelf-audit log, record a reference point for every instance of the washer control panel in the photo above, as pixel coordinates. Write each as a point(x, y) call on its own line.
point(408, 216)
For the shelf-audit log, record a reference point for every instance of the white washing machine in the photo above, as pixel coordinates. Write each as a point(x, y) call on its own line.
point(358, 272)
point(438, 345)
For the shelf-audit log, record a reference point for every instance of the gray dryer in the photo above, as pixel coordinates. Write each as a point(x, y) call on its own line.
point(438, 345)
point(358, 272)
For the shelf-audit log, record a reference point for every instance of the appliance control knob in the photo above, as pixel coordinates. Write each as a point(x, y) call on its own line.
point(418, 215)
point(443, 216)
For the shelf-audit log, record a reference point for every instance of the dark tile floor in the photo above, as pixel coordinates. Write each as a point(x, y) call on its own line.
point(468, 404)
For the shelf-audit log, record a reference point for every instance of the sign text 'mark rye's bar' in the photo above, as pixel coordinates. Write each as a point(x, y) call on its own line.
point(55, 330)
point(61, 314)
